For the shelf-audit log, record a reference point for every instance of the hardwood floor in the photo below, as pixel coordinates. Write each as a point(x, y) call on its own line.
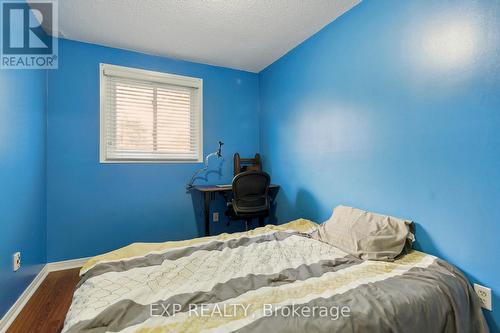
point(46, 310)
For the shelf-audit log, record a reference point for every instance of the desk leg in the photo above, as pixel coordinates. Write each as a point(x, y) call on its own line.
point(207, 212)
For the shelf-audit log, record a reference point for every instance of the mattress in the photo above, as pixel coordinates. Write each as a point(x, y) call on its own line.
point(274, 278)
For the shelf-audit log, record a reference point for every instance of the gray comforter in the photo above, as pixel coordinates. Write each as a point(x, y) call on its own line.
point(272, 279)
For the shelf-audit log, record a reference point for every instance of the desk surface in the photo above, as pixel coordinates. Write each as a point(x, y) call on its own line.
point(215, 188)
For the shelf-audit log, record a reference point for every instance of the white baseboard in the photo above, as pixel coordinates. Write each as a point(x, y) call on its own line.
point(66, 264)
point(16, 308)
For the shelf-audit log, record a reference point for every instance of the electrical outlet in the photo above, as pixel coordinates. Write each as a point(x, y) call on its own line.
point(484, 295)
point(216, 217)
point(16, 261)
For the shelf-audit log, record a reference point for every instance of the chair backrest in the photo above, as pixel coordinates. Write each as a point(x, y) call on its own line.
point(251, 192)
point(246, 164)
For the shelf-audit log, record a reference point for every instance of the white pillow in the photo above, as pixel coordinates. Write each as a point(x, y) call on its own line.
point(366, 235)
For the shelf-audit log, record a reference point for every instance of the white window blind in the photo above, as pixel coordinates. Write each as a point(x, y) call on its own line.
point(149, 116)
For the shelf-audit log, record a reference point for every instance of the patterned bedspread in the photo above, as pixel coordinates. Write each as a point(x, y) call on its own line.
point(271, 279)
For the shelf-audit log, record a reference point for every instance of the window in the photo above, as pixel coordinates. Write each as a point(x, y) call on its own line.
point(149, 116)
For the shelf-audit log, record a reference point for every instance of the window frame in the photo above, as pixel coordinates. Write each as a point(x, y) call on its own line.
point(149, 76)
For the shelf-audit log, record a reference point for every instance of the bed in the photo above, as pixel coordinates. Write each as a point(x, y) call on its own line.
point(274, 278)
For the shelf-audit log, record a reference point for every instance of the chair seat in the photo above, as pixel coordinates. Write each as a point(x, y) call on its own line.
point(230, 212)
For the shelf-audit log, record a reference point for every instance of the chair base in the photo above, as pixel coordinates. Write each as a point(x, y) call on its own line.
point(248, 221)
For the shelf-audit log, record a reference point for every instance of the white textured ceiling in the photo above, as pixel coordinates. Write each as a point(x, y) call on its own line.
point(242, 34)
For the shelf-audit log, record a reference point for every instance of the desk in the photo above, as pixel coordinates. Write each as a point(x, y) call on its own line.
point(208, 192)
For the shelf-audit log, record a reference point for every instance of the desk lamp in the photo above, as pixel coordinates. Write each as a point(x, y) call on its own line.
point(217, 153)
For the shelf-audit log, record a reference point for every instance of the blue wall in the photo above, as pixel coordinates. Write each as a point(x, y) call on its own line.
point(93, 208)
point(387, 108)
point(395, 108)
point(22, 176)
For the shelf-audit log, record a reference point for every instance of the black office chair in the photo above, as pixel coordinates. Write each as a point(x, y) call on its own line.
point(250, 197)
